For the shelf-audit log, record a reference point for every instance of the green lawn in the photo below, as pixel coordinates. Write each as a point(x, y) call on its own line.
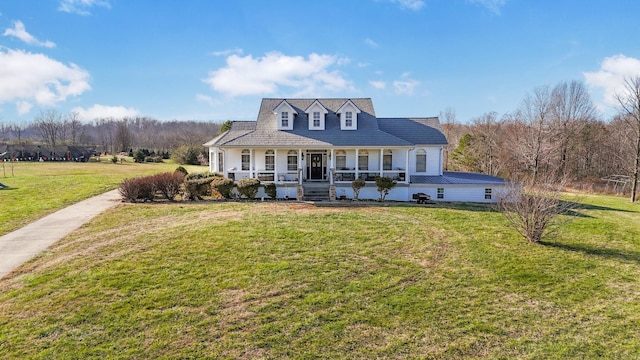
point(37, 189)
point(286, 280)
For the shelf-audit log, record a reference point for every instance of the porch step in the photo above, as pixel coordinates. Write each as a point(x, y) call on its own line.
point(316, 192)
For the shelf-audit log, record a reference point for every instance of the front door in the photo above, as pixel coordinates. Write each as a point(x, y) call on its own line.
point(315, 171)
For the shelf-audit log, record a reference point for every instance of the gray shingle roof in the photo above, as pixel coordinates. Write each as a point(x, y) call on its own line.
point(419, 131)
point(372, 132)
point(457, 178)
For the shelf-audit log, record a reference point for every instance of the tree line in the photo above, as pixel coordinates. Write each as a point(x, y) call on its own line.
point(111, 135)
point(555, 135)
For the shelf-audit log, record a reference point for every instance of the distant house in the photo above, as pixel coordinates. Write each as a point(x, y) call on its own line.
point(319, 146)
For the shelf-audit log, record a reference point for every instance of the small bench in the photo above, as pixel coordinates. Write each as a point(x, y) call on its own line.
point(422, 198)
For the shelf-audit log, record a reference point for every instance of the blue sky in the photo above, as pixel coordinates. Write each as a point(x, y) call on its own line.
point(215, 60)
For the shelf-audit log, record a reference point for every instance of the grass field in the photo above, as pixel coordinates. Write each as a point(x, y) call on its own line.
point(287, 280)
point(37, 189)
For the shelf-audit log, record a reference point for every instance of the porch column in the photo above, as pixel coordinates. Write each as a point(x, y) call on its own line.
point(332, 167)
point(300, 167)
point(251, 163)
point(213, 159)
point(406, 167)
point(225, 172)
point(381, 162)
point(440, 161)
point(357, 164)
point(275, 165)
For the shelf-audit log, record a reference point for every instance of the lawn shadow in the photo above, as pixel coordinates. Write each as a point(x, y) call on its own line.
point(468, 206)
point(581, 206)
point(608, 253)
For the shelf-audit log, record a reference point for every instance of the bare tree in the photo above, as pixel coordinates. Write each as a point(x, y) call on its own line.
point(488, 136)
point(571, 106)
point(448, 124)
point(75, 127)
point(49, 124)
point(123, 136)
point(629, 108)
point(530, 142)
point(535, 211)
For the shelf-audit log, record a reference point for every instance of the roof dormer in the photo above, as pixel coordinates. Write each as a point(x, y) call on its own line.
point(284, 113)
point(348, 113)
point(316, 115)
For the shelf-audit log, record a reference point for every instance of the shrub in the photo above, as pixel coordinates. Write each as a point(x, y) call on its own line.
point(356, 185)
point(168, 184)
point(154, 159)
point(222, 186)
point(187, 154)
point(182, 170)
point(114, 159)
point(271, 190)
point(384, 184)
point(135, 189)
point(198, 185)
point(248, 187)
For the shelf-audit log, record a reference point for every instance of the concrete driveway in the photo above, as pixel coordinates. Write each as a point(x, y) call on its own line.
point(23, 244)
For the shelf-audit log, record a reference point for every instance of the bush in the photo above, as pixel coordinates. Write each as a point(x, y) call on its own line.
point(198, 185)
point(114, 159)
point(168, 184)
point(187, 154)
point(182, 170)
point(249, 187)
point(135, 189)
point(222, 186)
point(384, 184)
point(154, 159)
point(271, 190)
point(356, 185)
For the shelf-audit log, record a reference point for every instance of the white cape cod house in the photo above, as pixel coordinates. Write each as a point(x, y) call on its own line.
point(317, 147)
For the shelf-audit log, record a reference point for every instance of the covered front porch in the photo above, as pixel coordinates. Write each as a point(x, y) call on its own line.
point(332, 165)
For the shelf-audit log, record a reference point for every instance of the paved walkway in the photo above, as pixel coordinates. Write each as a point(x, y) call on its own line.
point(23, 244)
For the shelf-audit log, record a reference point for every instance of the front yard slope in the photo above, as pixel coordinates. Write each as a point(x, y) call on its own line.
point(285, 280)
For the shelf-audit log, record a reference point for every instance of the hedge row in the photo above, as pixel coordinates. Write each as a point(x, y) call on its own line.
point(145, 188)
point(194, 186)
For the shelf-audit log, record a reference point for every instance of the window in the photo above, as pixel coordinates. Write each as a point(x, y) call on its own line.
point(341, 160)
point(316, 119)
point(487, 194)
point(269, 160)
point(292, 160)
point(387, 160)
point(220, 162)
point(440, 193)
point(363, 160)
point(246, 158)
point(284, 119)
point(421, 160)
point(348, 119)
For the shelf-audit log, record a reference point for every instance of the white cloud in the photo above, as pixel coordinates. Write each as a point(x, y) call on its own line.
point(610, 78)
point(371, 43)
point(267, 74)
point(227, 52)
point(208, 99)
point(405, 87)
point(414, 5)
point(378, 84)
point(81, 7)
point(23, 107)
point(27, 78)
point(492, 5)
point(21, 33)
point(98, 111)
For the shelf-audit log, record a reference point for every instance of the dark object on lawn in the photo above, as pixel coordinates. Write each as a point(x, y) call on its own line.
point(3, 186)
point(422, 198)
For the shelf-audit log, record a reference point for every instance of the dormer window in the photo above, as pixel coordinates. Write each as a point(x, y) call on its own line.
point(348, 114)
point(284, 115)
point(316, 113)
point(348, 119)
